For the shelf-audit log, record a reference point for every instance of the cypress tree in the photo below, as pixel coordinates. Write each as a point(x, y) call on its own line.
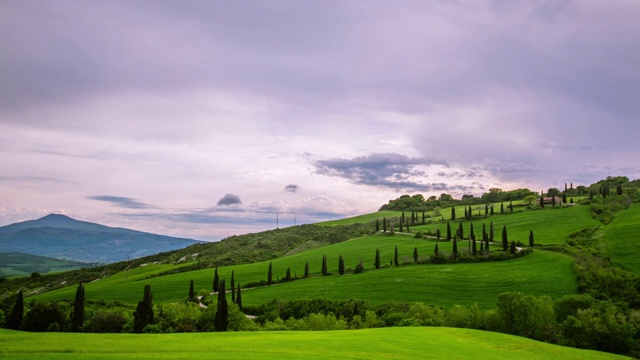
point(192, 293)
point(531, 238)
point(216, 281)
point(143, 315)
point(377, 260)
point(435, 250)
point(564, 198)
point(232, 287)
point(460, 231)
point(505, 241)
point(400, 226)
point(501, 208)
point(491, 210)
point(485, 237)
point(407, 228)
point(424, 218)
point(270, 274)
point(395, 257)
point(377, 225)
point(306, 270)
point(401, 220)
point(448, 231)
point(474, 248)
point(17, 314)
point(341, 265)
point(384, 224)
point(287, 277)
point(415, 255)
point(571, 201)
point(438, 234)
point(77, 317)
point(453, 213)
point(455, 248)
point(466, 213)
point(486, 246)
point(239, 299)
point(553, 201)
point(491, 237)
point(511, 206)
point(513, 247)
point(486, 208)
point(618, 190)
point(221, 322)
point(542, 201)
point(325, 270)
point(472, 233)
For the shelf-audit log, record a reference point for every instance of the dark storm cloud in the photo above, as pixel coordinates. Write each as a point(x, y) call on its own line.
point(292, 188)
point(386, 170)
point(124, 202)
point(229, 199)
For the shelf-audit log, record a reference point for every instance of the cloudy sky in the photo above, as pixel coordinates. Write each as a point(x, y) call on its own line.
point(204, 119)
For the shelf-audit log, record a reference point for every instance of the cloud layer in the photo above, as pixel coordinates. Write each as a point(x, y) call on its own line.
point(354, 102)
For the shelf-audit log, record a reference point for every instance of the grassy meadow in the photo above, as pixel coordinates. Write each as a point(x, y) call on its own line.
point(621, 239)
point(384, 343)
point(541, 273)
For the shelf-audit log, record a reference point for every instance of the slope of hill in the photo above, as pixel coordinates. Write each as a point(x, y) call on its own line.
point(19, 264)
point(62, 237)
point(386, 343)
point(621, 239)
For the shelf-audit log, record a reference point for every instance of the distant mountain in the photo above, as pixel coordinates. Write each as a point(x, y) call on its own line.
point(19, 264)
point(62, 237)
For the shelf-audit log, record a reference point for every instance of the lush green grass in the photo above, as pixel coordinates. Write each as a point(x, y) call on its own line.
point(621, 239)
point(387, 343)
point(445, 285)
point(539, 273)
point(550, 226)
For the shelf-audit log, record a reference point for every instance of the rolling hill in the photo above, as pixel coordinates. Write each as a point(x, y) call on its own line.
point(19, 264)
point(59, 236)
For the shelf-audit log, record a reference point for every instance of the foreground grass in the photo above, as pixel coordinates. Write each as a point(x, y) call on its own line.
point(621, 239)
point(386, 343)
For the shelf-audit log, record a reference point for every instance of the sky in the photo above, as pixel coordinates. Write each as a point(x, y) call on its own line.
point(206, 119)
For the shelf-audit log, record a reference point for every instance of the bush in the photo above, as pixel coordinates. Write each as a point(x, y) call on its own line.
point(106, 321)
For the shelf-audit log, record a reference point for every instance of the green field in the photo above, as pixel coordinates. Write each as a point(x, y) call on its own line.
point(386, 343)
point(621, 239)
point(540, 273)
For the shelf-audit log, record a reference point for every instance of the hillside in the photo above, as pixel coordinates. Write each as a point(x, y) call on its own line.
point(62, 237)
point(19, 264)
point(389, 343)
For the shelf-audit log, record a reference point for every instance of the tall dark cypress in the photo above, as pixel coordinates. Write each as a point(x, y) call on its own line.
point(287, 277)
point(470, 212)
point(485, 237)
point(216, 281)
point(143, 315)
point(505, 240)
point(501, 208)
point(239, 299)
point(511, 206)
point(395, 257)
point(384, 224)
point(270, 274)
point(513, 247)
point(474, 247)
point(377, 260)
point(542, 201)
point(472, 234)
point(401, 227)
point(486, 208)
point(455, 248)
point(221, 322)
point(415, 255)
point(531, 238)
point(232, 287)
point(460, 231)
point(306, 270)
point(466, 213)
point(77, 317)
point(491, 236)
point(341, 265)
point(377, 225)
point(17, 314)
point(192, 292)
point(448, 231)
point(438, 235)
point(453, 213)
point(564, 197)
point(325, 270)
point(435, 250)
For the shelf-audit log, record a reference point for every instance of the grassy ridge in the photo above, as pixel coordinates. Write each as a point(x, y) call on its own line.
point(386, 343)
point(621, 239)
point(445, 285)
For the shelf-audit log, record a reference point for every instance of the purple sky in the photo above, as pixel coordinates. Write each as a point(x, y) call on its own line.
point(204, 118)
